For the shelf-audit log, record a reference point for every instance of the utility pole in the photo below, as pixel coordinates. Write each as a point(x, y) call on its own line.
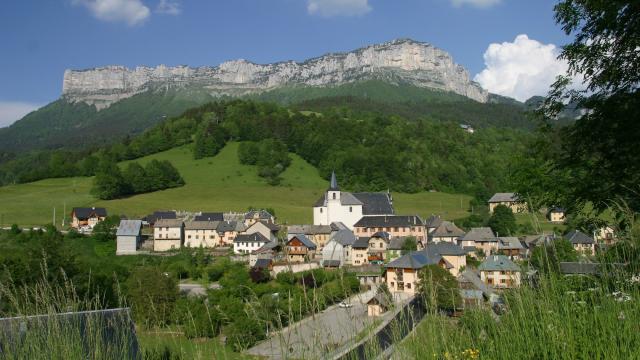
point(54, 217)
point(64, 212)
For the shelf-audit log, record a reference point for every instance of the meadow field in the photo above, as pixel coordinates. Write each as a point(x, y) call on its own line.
point(219, 183)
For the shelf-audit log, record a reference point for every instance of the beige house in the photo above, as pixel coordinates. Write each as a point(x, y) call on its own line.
point(482, 239)
point(394, 225)
point(606, 235)
point(300, 249)
point(455, 257)
point(228, 231)
point(168, 234)
point(201, 234)
point(509, 200)
point(255, 216)
point(319, 234)
point(500, 272)
point(447, 231)
point(582, 243)
point(402, 273)
point(360, 252)
point(378, 244)
point(378, 305)
point(556, 215)
point(87, 217)
point(269, 230)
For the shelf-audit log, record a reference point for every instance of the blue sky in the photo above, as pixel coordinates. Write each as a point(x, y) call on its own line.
point(40, 39)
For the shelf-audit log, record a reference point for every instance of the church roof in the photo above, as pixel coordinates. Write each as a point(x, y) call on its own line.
point(333, 185)
point(375, 203)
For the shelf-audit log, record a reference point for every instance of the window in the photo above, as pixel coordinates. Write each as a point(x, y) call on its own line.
point(503, 281)
point(189, 237)
point(320, 210)
point(381, 245)
point(350, 208)
point(395, 229)
point(408, 285)
point(334, 196)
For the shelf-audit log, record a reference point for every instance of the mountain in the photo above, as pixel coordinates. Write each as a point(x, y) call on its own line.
point(399, 61)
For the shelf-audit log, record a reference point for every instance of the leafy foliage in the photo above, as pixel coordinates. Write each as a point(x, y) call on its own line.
point(439, 288)
point(503, 221)
point(547, 258)
point(152, 295)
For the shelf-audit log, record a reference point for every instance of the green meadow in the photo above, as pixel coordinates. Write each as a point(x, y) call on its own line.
point(219, 183)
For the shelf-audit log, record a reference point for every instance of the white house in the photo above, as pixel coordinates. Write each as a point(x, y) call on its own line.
point(168, 234)
point(201, 233)
point(348, 208)
point(247, 243)
point(128, 237)
point(337, 252)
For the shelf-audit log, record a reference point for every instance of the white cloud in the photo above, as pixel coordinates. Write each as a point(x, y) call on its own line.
point(132, 12)
point(330, 8)
point(522, 68)
point(476, 3)
point(10, 111)
point(169, 7)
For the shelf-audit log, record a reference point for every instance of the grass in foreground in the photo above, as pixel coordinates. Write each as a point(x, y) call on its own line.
point(220, 183)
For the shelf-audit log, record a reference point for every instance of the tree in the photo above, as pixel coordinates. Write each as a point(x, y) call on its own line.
point(503, 221)
point(209, 140)
point(547, 258)
point(109, 182)
point(248, 153)
point(152, 295)
point(259, 275)
point(439, 288)
point(137, 178)
point(105, 230)
point(410, 244)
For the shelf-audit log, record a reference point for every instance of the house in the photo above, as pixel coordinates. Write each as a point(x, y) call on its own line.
point(378, 305)
point(395, 225)
point(269, 250)
point(209, 216)
point(453, 254)
point(402, 273)
point(605, 235)
point(378, 244)
point(509, 200)
point(228, 230)
point(266, 264)
point(269, 230)
point(531, 241)
point(348, 208)
point(300, 249)
point(87, 217)
point(247, 243)
point(394, 249)
point(201, 234)
point(500, 272)
point(432, 223)
point(556, 215)
point(128, 237)
point(511, 247)
point(319, 234)
point(467, 128)
point(157, 215)
point(254, 216)
point(168, 234)
point(338, 249)
point(582, 243)
point(481, 238)
point(447, 231)
point(360, 252)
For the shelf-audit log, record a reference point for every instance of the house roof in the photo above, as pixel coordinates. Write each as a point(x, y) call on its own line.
point(85, 213)
point(331, 263)
point(433, 221)
point(375, 203)
point(379, 299)
point(509, 243)
point(210, 216)
point(414, 260)
point(309, 229)
point(338, 225)
point(444, 248)
point(361, 243)
point(308, 243)
point(389, 221)
point(168, 223)
point(255, 237)
point(578, 237)
point(498, 263)
point(503, 197)
point(267, 248)
point(226, 226)
point(382, 235)
point(201, 225)
point(557, 209)
point(262, 263)
point(344, 237)
point(576, 268)
point(447, 229)
point(396, 243)
point(129, 228)
point(152, 218)
point(261, 214)
point(480, 234)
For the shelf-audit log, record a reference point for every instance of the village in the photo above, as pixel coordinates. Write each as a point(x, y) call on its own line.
point(362, 233)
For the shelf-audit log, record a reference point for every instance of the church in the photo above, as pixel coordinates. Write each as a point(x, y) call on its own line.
point(348, 208)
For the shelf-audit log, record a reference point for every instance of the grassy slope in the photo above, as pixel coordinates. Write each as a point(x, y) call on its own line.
point(218, 183)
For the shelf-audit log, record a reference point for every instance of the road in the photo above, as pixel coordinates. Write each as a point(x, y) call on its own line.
point(316, 335)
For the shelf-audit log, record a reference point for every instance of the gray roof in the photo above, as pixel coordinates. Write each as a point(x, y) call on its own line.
point(444, 248)
point(129, 228)
point(380, 299)
point(226, 226)
point(333, 184)
point(210, 216)
point(85, 213)
point(255, 237)
point(447, 229)
point(309, 229)
point(262, 214)
point(262, 263)
point(362, 242)
point(504, 197)
point(433, 221)
point(479, 235)
point(308, 243)
point(382, 235)
point(498, 263)
point(346, 198)
point(375, 203)
point(344, 237)
point(509, 243)
point(152, 218)
point(338, 225)
point(578, 237)
point(396, 243)
point(389, 221)
point(569, 268)
point(168, 223)
point(414, 260)
point(268, 247)
point(331, 263)
point(201, 225)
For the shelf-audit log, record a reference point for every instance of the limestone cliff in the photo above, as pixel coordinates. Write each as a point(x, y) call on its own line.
point(399, 61)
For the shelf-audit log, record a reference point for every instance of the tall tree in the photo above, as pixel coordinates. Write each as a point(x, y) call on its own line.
point(503, 221)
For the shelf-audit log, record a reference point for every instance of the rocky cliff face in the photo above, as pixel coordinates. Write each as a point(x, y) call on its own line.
point(399, 61)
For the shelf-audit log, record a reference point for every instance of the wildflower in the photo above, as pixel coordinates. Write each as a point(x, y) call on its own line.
point(471, 354)
point(621, 316)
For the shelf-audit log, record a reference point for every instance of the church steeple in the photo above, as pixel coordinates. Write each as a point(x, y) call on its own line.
point(334, 182)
